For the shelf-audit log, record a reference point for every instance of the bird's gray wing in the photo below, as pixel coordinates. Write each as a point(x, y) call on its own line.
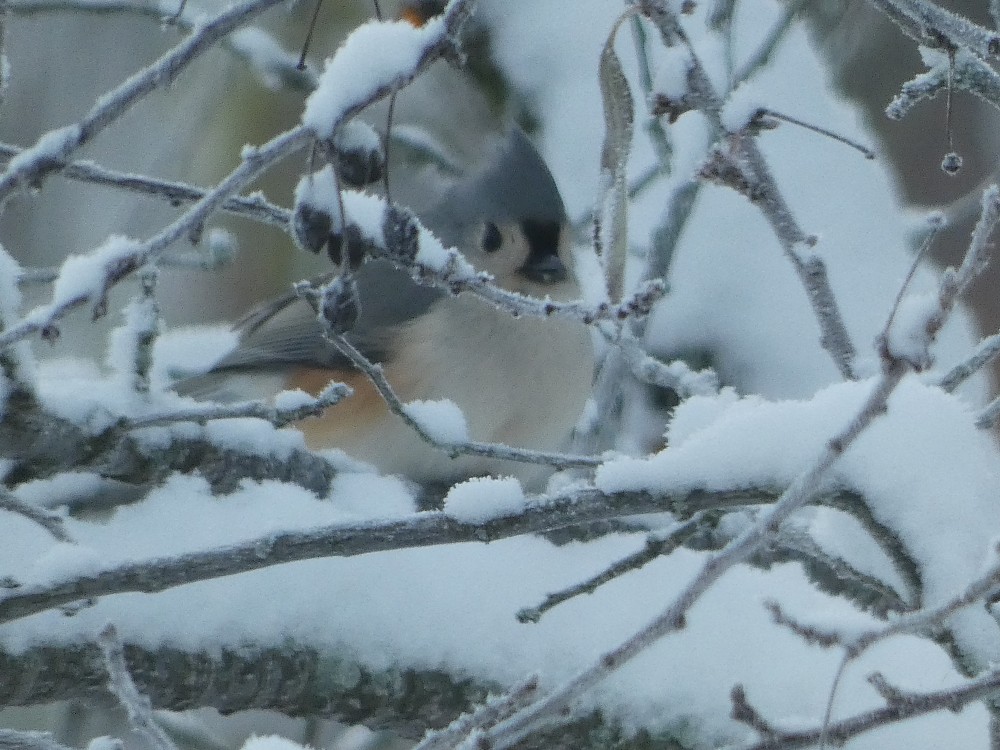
point(284, 331)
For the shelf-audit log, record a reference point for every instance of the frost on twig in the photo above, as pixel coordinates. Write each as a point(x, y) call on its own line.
point(176, 193)
point(327, 300)
point(54, 148)
point(485, 716)
point(121, 684)
point(747, 171)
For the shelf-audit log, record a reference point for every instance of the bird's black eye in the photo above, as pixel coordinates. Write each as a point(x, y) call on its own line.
point(491, 238)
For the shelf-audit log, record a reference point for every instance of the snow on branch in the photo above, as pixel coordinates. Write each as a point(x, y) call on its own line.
point(121, 684)
point(895, 365)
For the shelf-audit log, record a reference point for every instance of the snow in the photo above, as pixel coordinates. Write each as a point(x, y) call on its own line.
point(290, 400)
point(253, 436)
point(367, 212)
point(53, 146)
point(443, 420)
point(482, 498)
point(909, 335)
point(62, 560)
point(924, 449)
point(375, 56)
point(191, 351)
point(356, 135)
point(271, 742)
point(741, 106)
point(264, 53)
point(318, 189)
point(84, 276)
point(671, 77)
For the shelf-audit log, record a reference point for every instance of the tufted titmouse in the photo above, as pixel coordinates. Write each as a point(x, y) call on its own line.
point(519, 381)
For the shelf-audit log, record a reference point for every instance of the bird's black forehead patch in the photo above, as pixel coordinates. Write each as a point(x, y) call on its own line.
point(542, 237)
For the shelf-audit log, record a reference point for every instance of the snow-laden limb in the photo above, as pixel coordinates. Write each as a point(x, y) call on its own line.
point(254, 207)
point(353, 78)
point(574, 507)
point(297, 681)
point(803, 489)
point(53, 148)
point(749, 173)
point(12, 739)
point(122, 686)
point(41, 444)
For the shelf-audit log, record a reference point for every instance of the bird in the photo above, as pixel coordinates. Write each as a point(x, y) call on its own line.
point(521, 381)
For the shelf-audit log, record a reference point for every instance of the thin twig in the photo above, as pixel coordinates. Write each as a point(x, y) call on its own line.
point(51, 522)
point(55, 147)
point(759, 185)
point(175, 193)
point(483, 717)
point(279, 416)
point(136, 705)
point(657, 545)
point(498, 451)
